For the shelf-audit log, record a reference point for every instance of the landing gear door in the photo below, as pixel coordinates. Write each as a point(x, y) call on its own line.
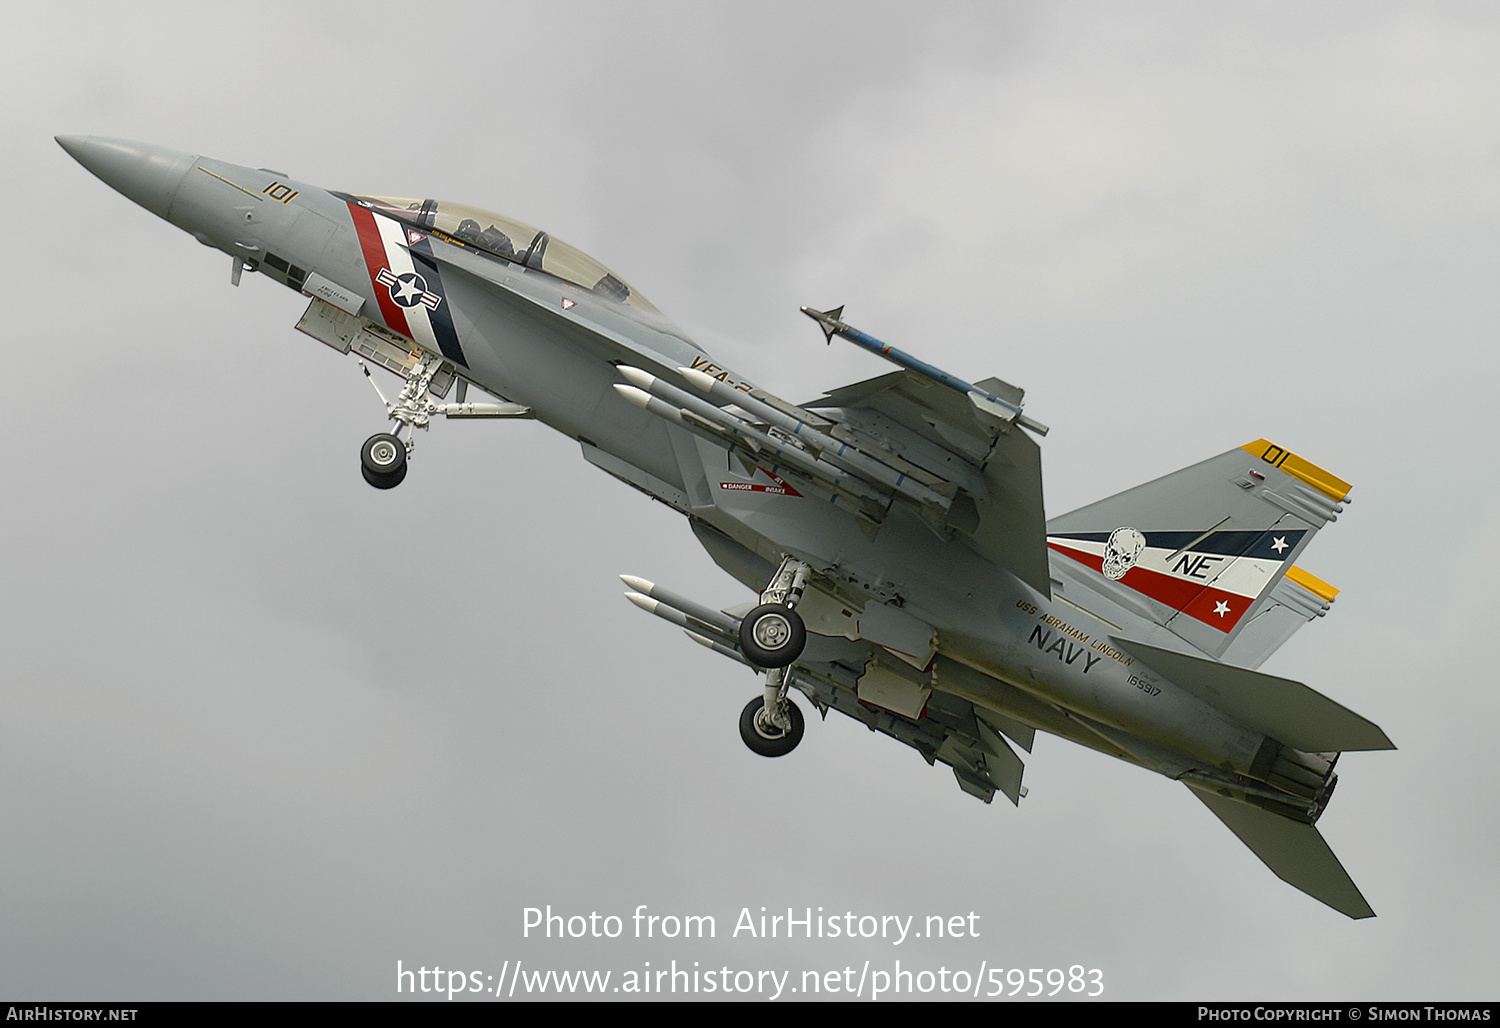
point(347, 333)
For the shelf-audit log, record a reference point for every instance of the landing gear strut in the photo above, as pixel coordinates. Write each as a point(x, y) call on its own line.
point(382, 459)
point(772, 635)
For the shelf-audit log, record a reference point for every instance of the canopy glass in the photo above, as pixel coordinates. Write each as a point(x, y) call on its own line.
point(513, 241)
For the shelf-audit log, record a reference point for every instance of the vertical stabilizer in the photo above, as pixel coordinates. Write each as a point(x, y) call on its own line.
point(1202, 549)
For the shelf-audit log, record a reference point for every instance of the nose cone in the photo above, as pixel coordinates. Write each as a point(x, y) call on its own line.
point(147, 174)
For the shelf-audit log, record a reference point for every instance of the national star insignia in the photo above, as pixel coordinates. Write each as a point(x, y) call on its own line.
point(1280, 544)
point(408, 289)
point(1221, 608)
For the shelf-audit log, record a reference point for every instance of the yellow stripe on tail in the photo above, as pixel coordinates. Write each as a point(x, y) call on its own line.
point(1312, 583)
point(1298, 467)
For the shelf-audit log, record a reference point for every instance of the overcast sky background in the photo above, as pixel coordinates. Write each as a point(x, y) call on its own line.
point(264, 730)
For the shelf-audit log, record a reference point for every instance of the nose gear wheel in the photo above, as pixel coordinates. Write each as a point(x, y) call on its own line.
point(382, 460)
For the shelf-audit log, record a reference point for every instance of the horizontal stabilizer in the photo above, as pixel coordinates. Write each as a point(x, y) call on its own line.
point(1296, 852)
point(1287, 711)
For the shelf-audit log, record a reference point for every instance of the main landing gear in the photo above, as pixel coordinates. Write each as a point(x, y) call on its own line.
point(766, 735)
point(772, 636)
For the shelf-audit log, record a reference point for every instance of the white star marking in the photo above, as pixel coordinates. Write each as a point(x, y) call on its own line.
point(406, 290)
point(1279, 544)
point(1221, 608)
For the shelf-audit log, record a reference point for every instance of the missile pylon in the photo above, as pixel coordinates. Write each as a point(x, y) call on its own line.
point(676, 405)
point(822, 445)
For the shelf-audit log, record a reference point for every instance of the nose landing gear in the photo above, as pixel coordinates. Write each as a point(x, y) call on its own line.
point(382, 460)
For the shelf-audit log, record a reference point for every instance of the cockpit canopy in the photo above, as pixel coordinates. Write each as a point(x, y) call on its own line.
point(512, 241)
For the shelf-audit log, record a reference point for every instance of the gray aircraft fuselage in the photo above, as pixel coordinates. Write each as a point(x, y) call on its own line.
point(543, 342)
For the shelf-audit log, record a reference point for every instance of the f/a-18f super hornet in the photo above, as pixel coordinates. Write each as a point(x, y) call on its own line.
point(893, 529)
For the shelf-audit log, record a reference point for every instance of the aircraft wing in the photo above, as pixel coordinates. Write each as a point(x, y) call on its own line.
point(990, 470)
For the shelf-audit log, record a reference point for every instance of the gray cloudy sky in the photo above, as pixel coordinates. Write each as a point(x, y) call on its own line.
point(265, 731)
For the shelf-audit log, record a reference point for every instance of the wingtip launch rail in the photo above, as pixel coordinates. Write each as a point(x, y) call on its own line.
point(987, 403)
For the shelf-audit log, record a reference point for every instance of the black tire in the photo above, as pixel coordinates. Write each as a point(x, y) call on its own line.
point(772, 635)
point(390, 481)
point(764, 739)
point(383, 455)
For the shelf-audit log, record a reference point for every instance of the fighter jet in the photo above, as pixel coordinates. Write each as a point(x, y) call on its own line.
point(892, 530)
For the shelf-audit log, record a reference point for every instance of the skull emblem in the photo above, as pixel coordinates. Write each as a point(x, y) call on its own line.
point(1122, 551)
